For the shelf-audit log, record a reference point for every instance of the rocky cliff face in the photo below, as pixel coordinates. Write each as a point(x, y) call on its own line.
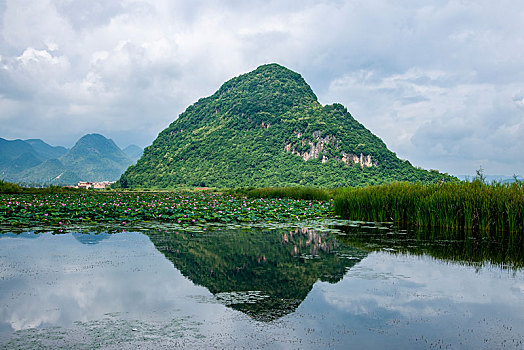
point(318, 150)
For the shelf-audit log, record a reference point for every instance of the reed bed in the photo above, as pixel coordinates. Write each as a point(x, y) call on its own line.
point(305, 193)
point(476, 206)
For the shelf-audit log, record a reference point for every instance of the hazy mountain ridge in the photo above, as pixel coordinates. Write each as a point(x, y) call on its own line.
point(17, 156)
point(134, 152)
point(50, 172)
point(489, 178)
point(96, 158)
point(12, 149)
point(34, 162)
point(267, 128)
point(47, 150)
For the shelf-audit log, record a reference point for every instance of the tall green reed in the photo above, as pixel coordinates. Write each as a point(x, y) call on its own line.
point(307, 193)
point(476, 206)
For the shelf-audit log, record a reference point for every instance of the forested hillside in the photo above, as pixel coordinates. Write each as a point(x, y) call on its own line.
point(267, 128)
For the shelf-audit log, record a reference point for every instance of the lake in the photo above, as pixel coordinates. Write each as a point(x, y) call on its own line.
point(333, 285)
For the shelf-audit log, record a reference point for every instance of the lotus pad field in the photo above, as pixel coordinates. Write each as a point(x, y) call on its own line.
point(126, 208)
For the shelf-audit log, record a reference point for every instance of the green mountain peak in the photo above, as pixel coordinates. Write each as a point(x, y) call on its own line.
point(267, 128)
point(34, 162)
point(96, 158)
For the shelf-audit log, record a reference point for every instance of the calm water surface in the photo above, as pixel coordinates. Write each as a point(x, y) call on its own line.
point(298, 288)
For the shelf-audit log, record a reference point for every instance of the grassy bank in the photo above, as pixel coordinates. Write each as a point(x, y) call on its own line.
point(475, 206)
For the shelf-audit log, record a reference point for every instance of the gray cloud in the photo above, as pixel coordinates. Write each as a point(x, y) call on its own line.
point(439, 81)
point(83, 15)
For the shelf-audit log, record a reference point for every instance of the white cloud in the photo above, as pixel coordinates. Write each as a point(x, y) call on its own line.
point(436, 118)
point(33, 23)
point(31, 57)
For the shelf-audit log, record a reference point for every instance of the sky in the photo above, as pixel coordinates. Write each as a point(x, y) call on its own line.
point(441, 82)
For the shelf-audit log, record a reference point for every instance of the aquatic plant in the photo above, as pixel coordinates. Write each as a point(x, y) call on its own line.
point(308, 193)
point(128, 207)
point(475, 206)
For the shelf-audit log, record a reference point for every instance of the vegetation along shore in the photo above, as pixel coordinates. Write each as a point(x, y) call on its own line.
point(64, 208)
point(473, 206)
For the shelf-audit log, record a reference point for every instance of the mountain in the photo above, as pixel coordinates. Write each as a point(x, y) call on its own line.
point(47, 151)
point(267, 128)
point(17, 156)
point(50, 172)
point(96, 158)
point(34, 162)
point(492, 178)
point(12, 149)
point(134, 152)
point(24, 161)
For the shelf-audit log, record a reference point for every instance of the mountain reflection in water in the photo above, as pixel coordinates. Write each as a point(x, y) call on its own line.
point(91, 237)
point(178, 289)
point(263, 273)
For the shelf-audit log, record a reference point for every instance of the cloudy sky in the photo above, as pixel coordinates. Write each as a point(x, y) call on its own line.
point(441, 82)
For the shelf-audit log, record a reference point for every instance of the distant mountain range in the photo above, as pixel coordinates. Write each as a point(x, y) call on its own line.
point(92, 158)
point(492, 178)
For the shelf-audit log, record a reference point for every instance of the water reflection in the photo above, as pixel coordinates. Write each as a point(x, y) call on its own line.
point(263, 273)
point(29, 235)
point(370, 287)
point(506, 252)
point(90, 237)
point(55, 281)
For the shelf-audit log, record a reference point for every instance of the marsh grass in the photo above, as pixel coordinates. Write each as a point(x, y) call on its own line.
point(305, 193)
point(477, 206)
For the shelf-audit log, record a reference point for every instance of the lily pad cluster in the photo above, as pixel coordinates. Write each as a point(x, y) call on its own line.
point(125, 208)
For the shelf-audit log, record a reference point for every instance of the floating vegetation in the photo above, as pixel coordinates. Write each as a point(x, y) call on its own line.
point(129, 208)
point(110, 332)
point(475, 206)
point(247, 297)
